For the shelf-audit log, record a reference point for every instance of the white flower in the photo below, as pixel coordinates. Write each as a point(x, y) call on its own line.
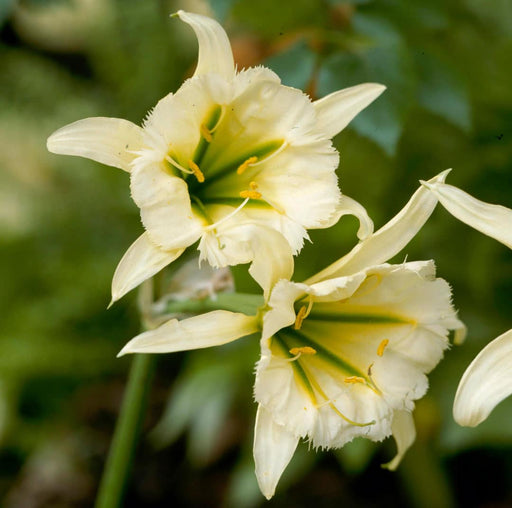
point(344, 354)
point(488, 379)
point(229, 150)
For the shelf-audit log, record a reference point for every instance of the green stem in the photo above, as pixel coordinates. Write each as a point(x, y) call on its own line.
point(122, 449)
point(235, 302)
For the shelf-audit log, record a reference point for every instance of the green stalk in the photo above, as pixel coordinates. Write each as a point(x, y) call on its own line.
point(131, 417)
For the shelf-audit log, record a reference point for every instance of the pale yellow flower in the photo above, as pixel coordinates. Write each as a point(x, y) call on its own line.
point(230, 150)
point(344, 354)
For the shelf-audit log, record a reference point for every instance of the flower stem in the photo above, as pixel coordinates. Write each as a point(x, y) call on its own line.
point(122, 449)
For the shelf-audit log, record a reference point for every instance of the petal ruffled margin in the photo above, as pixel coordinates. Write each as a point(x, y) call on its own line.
point(142, 260)
point(111, 141)
point(390, 239)
point(215, 53)
point(335, 111)
point(274, 447)
point(486, 382)
point(206, 330)
point(491, 220)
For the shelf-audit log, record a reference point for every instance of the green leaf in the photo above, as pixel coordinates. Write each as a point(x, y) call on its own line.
point(294, 66)
point(442, 92)
point(387, 60)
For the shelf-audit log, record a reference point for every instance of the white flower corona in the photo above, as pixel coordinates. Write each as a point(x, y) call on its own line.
point(228, 151)
point(344, 354)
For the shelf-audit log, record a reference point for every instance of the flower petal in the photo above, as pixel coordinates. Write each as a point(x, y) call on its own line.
point(491, 220)
point(206, 330)
point(165, 207)
point(110, 141)
point(142, 260)
point(273, 259)
point(404, 433)
point(274, 447)
point(349, 206)
point(336, 110)
point(215, 53)
point(390, 239)
point(486, 382)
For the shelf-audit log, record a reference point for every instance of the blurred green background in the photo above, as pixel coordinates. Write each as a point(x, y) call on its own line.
point(65, 222)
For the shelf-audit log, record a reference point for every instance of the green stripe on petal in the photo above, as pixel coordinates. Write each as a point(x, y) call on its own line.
point(298, 339)
point(300, 375)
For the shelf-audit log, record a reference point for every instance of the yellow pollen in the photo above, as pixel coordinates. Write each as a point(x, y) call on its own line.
point(355, 379)
point(301, 315)
point(205, 132)
point(253, 185)
point(305, 350)
point(197, 172)
point(246, 164)
point(382, 346)
point(252, 194)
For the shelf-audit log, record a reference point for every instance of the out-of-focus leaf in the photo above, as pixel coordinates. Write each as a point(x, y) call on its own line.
point(441, 92)
point(200, 401)
point(6, 7)
point(221, 8)
point(385, 60)
point(272, 18)
point(356, 455)
point(294, 66)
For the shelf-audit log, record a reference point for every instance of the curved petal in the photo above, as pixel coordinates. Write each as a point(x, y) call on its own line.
point(206, 330)
point(349, 206)
point(336, 110)
point(404, 433)
point(142, 260)
point(491, 220)
point(165, 207)
point(110, 141)
point(215, 53)
point(273, 259)
point(390, 239)
point(274, 447)
point(486, 382)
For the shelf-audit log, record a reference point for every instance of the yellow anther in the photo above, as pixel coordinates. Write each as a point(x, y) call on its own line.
point(382, 346)
point(305, 350)
point(355, 379)
point(246, 164)
point(252, 194)
point(301, 315)
point(253, 185)
point(197, 172)
point(205, 132)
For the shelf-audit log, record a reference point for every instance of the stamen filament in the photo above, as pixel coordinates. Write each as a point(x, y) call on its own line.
point(271, 156)
point(228, 216)
point(169, 159)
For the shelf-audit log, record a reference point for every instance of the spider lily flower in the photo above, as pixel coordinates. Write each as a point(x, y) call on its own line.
point(488, 379)
point(228, 150)
point(344, 354)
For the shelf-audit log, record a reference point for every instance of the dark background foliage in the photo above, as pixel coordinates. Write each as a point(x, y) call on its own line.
point(65, 222)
